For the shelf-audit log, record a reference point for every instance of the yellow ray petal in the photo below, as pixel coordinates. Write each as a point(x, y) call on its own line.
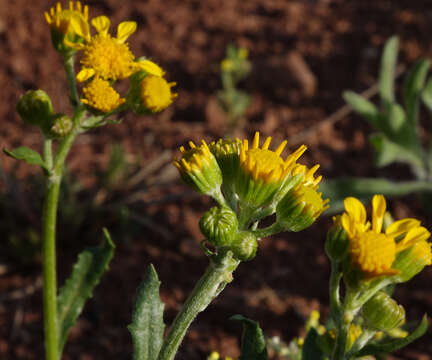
point(355, 209)
point(101, 24)
point(281, 147)
point(413, 236)
point(149, 67)
point(80, 27)
point(402, 226)
point(255, 141)
point(125, 29)
point(266, 144)
point(378, 211)
point(85, 74)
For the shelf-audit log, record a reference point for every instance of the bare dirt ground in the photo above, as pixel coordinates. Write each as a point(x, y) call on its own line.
point(338, 45)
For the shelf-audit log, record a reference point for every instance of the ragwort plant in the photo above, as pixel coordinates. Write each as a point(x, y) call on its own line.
point(397, 133)
point(104, 60)
point(249, 183)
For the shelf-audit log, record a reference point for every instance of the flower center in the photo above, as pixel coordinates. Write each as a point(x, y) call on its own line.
point(264, 164)
point(100, 95)
point(109, 58)
point(373, 253)
point(156, 93)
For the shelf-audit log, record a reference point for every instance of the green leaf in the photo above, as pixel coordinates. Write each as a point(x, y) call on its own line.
point(311, 351)
point(396, 118)
point(253, 342)
point(86, 273)
point(388, 152)
point(413, 87)
point(387, 71)
point(31, 156)
point(427, 94)
point(390, 346)
point(363, 107)
point(147, 325)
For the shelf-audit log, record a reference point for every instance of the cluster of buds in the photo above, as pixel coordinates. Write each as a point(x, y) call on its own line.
point(371, 257)
point(106, 59)
point(250, 183)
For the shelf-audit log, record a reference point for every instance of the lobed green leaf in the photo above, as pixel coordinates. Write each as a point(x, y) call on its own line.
point(78, 288)
point(147, 325)
point(31, 156)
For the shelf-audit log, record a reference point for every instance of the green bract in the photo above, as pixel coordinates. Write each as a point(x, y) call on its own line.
point(219, 226)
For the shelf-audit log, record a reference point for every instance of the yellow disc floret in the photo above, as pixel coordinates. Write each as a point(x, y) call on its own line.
point(61, 19)
point(156, 93)
point(100, 95)
point(374, 251)
point(267, 165)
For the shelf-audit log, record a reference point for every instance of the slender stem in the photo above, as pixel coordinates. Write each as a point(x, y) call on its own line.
point(47, 152)
point(70, 73)
point(268, 231)
point(345, 320)
point(335, 305)
point(49, 221)
point(217, 275)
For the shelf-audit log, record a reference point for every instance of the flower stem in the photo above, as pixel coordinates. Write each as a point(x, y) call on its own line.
point(335, 305)
point(49, 220)
point(70, 73)
point(217, 275)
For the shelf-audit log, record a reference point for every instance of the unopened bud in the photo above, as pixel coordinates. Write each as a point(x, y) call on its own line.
point(35, 108)
point(219, 226)
point(244, 246)
point(337, 243)
point(62, 126)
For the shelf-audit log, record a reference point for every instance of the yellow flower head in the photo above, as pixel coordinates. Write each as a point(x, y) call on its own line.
point(264, 176)
point(199, 169)
point(60, 20)
point(100, 95)
point(372, 250)
point(103, 55)
point(156, 93)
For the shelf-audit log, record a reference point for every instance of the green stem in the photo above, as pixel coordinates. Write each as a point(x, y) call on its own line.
point(49, 221)
point(345, 319)
point(217, 275)
point(47, 153)
point(268, 231)
point(70, 73)
point(335, 305)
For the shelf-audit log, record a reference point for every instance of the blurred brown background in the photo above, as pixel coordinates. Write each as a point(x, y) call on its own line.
point(304, 54)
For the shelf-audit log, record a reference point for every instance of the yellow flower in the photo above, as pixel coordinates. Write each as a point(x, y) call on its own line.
point(156, 93)
point(103, 55)
point(60, 20)
point(264, 174)
point(372, 250)
point(100, 95)
point(199, 169)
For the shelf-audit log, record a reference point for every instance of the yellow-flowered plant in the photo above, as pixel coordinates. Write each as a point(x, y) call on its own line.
point(104, 60)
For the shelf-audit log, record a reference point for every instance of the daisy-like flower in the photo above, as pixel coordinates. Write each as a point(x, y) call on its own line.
point(60, 19)
point(103, 55)
point(199, 169)
point(101, 96)
point(373, 251)
point(264, 174)
point(156, 94)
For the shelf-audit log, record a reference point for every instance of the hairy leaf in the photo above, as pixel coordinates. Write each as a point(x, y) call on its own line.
point(147, 325)
point(413, 86)
point(253, 342)
point(31, 156)
point(363, 107)
point(387, 71)
point(86, 273)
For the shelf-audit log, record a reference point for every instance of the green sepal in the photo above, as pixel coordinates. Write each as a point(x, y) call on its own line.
point(30, 156)
point(86, 274)
point(253, 345)
point(387, 70)
point(413, 86)
point(390, 346)
point(147, 325)
point(363, 107)
point(311, 350)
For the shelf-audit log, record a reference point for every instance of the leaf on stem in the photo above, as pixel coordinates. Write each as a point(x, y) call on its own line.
point(310, 350)
point(253, 342)
point(387, 71)
point(413, 86)
point(147, 325)
point(363, 107)
point(390, 346)
point(86, 273)
point(31, 156)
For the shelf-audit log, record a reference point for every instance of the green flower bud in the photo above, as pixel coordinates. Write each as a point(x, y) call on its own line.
point(337, 242)
point(383, 313)
point(199, 169)
point(35, 108)
point(299, 208)
point(219, 226)
point(244, 246)
point(62, 126)
point(411, 261)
